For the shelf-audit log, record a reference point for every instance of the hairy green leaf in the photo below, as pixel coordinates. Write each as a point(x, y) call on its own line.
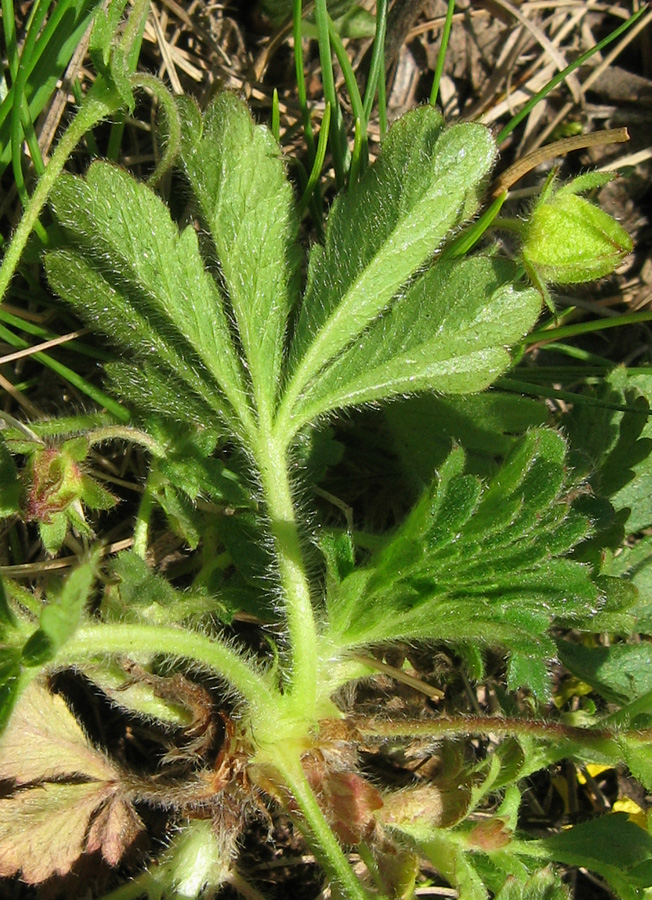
point(479, 563)
point(616, 445)
point(383, 230)
point(543, 885)
point(127, 269)
point(635, 564)
point(448, 333)
point(60, 617)
point(238, 178)
point(137, 594)
point(610, 845)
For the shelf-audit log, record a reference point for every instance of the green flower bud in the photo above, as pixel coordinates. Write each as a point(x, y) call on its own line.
point(570, 240)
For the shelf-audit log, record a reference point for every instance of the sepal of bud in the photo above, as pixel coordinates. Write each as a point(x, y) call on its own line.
point(569, 240)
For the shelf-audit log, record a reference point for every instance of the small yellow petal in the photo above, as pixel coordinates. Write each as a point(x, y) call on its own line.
point(636, 815)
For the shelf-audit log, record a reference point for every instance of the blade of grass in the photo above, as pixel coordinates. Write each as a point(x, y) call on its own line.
point(354, 97)
point(52, 52)
point(276, 117)
point(318, 162)
point(441, 56)
point(539, 390)
point(377, 59)
point(561, 76)
point(565, 331)
point(20, 112)
point(301, 78)
point(468, 239)
point(338, 143)
point(44, 334)
point(356, 157)
point(69, 375)
point(382, 103)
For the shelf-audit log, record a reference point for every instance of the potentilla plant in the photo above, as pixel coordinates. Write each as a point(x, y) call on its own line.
point(225, 343)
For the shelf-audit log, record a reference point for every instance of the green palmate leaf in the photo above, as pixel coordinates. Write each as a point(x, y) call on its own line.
point(447, 333)
point(616, 445)
point(478, 563)
point(238, 178)
point(127, 269)
point(379, 233)
point(635, 563)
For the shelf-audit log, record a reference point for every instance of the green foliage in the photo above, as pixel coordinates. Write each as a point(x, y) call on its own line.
point(118, 253)
point(448, 330)
point(378, 234)
point(50, 53)
point(60, 617)
point(476, 563)
point(238, 178)
point(235, 372)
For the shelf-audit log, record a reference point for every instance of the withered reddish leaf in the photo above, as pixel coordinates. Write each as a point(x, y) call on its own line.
point(114, 829)
point(439, 807)
point(43, 740)
point(490, 834)
point(43, 829)
point(46, 827)
point(351, 801)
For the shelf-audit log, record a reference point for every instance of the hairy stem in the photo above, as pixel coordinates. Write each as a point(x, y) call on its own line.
point(149, 640)
point(453, 726)
point(272, 455)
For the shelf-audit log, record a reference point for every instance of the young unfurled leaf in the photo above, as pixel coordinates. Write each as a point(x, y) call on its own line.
point(127, 269)
point(448, 333)
point(74, 802)
point(379, 233)
point(474, 562)
point(137, 594)
point(238, 177)
point(61, 615)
